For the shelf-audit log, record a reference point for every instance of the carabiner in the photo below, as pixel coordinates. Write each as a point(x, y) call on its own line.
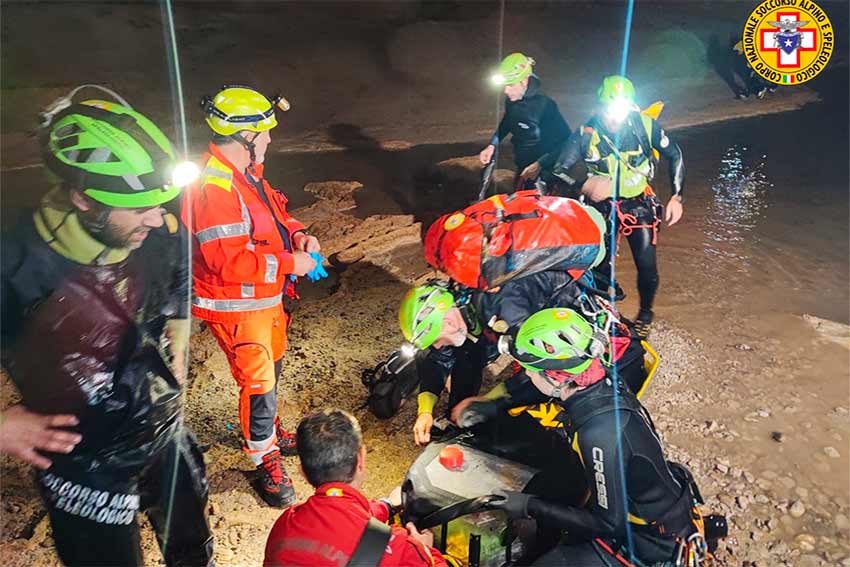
point(588, 307)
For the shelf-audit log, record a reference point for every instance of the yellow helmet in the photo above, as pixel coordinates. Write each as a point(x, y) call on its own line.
point(236, 108)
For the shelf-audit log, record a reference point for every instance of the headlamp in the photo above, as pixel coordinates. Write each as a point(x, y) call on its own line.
point(504, 344)
point(399, 360)
point(280, 102)
point(619, 109)
point(407, 350)
point(185, 173)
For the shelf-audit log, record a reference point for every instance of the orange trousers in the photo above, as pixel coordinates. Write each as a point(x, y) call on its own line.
point(252, 347)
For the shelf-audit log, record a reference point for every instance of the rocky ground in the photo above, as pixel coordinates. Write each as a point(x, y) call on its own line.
point(770, 456)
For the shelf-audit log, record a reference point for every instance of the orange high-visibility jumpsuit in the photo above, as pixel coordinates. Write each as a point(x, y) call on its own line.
point(242, 258)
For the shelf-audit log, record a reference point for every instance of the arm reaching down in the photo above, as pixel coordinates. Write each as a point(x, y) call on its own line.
point(671, 150)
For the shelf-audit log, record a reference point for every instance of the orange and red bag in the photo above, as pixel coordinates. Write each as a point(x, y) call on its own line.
point(508, 236)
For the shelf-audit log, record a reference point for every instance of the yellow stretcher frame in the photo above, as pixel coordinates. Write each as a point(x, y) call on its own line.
point(650, 364)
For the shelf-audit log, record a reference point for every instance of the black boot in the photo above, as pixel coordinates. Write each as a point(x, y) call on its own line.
point(275, 486)
point(643, 323)
point(285, 440)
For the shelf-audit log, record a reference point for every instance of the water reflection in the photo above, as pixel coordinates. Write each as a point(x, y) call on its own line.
point(741, 192)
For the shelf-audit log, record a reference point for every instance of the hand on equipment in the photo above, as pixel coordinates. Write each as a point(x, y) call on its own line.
point(514, 504)
point(422, 429)
point(425, 537)
point(395, 497)
point(487, 154)
point(531, 171)
point(461, 406)
point(478, 411)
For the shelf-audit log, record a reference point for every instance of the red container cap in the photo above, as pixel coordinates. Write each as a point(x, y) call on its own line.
point(451, 457)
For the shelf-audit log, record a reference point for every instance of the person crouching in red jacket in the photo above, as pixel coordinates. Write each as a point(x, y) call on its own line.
point(325, 530)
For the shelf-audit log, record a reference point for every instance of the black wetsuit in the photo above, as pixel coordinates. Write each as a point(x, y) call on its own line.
point(86, 339)
point(535, 125)
point(752, 81)
point(657, 500)
point(513, 304)
point(645, 209)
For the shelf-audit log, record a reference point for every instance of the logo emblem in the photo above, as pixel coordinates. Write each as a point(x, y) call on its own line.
point(454, 221)
point(788, 38)
point(599, 475)
point(788, 42)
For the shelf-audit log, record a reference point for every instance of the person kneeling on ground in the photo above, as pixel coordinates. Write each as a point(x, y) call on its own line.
point(618, 446)
point(332, 527)
point(459, 328)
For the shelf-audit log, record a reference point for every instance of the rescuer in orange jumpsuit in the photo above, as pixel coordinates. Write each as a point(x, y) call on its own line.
point(245, 248)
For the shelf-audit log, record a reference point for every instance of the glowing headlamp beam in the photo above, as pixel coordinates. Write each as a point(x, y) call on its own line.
point(619, 109)
point(185, 173)
point(407, 350)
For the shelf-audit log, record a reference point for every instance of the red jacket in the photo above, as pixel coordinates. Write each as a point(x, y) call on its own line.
point(324, 531)
point(240, 261)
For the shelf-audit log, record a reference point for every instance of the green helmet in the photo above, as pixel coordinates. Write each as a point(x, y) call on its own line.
point(554, 339)
point(616, 87)
point(114, 154)
point(422, 312)
point(513, 69)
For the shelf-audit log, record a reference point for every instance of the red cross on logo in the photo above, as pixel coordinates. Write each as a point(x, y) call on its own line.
point(808, 42)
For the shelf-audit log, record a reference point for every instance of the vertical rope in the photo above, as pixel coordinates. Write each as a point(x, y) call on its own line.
point(176, 80)
point(613, 223)
point(179, 112)
point(627, 36)
point(500, 55)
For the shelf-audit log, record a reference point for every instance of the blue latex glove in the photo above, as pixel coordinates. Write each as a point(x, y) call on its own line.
point(316, 273)
point(319, 271)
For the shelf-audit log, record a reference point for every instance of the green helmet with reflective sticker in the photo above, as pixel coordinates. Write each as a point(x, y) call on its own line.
point(112, 153)
point(422, 312)
point(513, 69)
point(554, 339)
point(616, 87)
